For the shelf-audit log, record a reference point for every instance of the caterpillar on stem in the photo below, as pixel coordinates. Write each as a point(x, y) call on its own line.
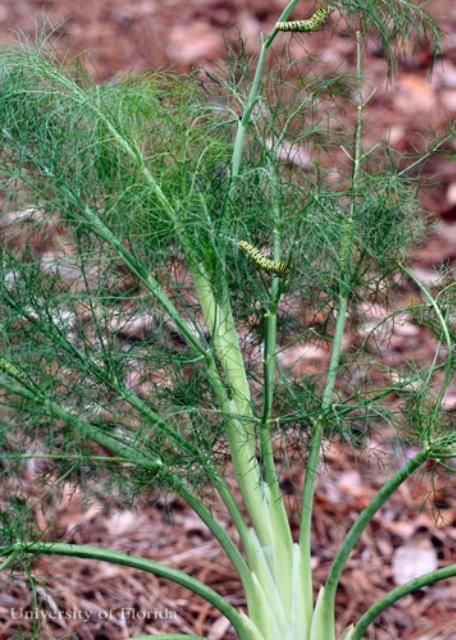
point(316, 20)
point(12, 370)
point(276, 267)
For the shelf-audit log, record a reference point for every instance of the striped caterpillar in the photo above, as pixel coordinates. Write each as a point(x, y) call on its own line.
point(12, 370)
point(317, 19)
point(276, 267)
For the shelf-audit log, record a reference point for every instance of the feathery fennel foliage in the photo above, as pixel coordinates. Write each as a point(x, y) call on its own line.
point(140, 345)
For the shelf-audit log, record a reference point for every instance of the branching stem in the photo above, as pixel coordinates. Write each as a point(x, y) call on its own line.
point(363, 521)
point(396, 594)
point(345, 257)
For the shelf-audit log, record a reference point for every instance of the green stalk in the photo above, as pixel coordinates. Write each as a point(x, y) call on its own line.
point(220, 322)
point(317, 434)
point(345, 252)
point(356, 531)
point(259, 594)
point(396, 594)
point(305, 525)
point(266, 509)
point(238, 407)
point(278, 527)
point(269, 365)
point(135, 562)
point(216, 529)
point(229, 501)
point(228, 349)
point(8, 561)
point(283, 541)
point(269, 588)
point(255, 92)
point(57, 456)
point(241, 429)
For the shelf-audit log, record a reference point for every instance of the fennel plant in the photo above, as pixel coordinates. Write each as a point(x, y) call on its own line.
point(153, 187)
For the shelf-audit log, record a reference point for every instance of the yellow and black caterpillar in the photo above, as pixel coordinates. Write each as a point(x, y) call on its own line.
point(317, 19)
point(12, 370)
point(277, 267)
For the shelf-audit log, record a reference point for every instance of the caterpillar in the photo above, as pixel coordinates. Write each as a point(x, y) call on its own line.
point(276, 267)
point(317, 19)
point(8, 367)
